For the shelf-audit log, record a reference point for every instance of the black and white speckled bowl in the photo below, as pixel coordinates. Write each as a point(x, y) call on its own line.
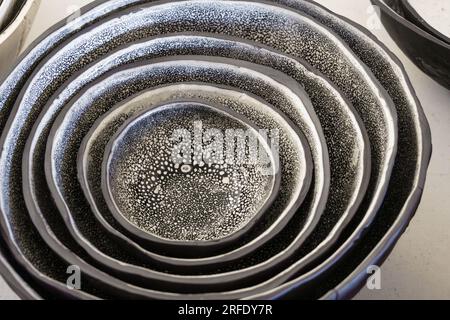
point(325, 99)
point(91, 156)
point(411, 13)
point(379, 90)
point(193, 223)
point(14, 29)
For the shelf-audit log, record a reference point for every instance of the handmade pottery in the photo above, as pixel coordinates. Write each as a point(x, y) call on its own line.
point(429, 53)
point(342, 53)
point(12, 36)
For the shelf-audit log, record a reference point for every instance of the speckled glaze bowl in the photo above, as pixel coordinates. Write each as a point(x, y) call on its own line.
point(90, 158)
point(368, 138)
point(327, 97)
point(145, 185)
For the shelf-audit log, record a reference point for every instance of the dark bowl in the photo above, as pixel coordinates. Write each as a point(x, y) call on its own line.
point(141, 178)
point(377, 232)
point(410, 13)
point(429, 53)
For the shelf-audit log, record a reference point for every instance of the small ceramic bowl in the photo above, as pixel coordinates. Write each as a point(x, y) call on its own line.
point(196, 200)
point(429, 53)
point(90, 154)
point(31, 251)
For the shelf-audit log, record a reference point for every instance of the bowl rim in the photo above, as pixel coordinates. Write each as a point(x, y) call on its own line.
point(407, 6)
point(17, 21)
point(386, 9)
point(15, 281)
point(425, 137)
point(6, 12)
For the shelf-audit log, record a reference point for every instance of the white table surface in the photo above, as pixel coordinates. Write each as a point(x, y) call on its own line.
point(418, 266)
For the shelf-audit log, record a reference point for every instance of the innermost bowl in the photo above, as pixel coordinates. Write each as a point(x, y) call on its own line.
point(189, 172)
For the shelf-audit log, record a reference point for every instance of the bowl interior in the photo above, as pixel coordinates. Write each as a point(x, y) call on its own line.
point(435, 14)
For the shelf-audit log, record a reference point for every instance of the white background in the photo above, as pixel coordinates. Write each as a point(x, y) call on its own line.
point(418, 268)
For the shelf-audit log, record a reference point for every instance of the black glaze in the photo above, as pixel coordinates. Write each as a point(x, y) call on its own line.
point(412, 15)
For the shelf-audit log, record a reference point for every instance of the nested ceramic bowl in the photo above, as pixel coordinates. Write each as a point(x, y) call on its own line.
point(346, 61)
point(168, 178)
point(322, 97)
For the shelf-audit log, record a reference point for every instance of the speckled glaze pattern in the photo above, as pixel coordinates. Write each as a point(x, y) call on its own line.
point(427, 51)
point(188, 198)
point(332, 82)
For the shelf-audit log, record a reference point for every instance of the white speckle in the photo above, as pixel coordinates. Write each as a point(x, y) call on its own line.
point(185, 168)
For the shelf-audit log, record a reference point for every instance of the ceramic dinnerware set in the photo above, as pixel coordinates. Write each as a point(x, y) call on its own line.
point(206, 150)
